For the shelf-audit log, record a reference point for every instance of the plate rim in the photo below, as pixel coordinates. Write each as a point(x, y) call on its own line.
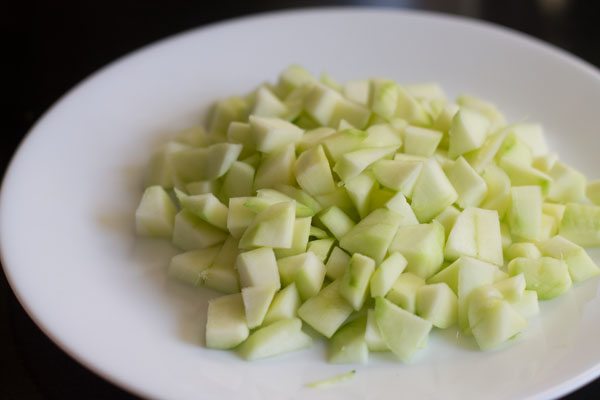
point(563, 388)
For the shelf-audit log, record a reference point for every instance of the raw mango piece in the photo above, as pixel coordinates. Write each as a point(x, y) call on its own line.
point(468, 132)
point(222, 274)
point(533, 136)
point(399, 175)
point(285, 305)
point(549, 227)
point(400, 206)
point(382, 135)
point(321, 248)
point(239, 216)
point(471, 187)
point(443, 121)
point(343, 142)
point(204, 163)
point(492, 320)
point(438, 304)
point(206, 206)
point(160, 168)
point(592, 192)
point(427, 91)
point(525, 213)
point(403, 292)
point(313, 137)
point(498, 190)
point(271, 134)
point(383, 98)
point(524, 175)
point(258, 268)
point(380, 197)
point(409, 109)
point(267, 197)
point(485, 108)
point(195, 136)
point(309, 276)
point(273, 227)
point(483, 157)
point(321, 103)
point(299, 238)
point(422, 246)
point(326, 311)
point(276, 168)
point(226, 323)
point(476, 233)
point(359, 190)
point(403, 332)
point(447, 219)
point(313, 173)
point(432, 192)
point(352, 164)
point(421, 141)
point(554, 210)
point(581, 266)
point(279, 337)
point(514, 151)
point(357, 91)
point(373, 336)
point(226, 111)
point(191, 232)
point(257, 300)
point(266, 104)
point(354, 284)
point(238, 181)
point(341, 199)
point(336, 221)
point(355, 114)
point(318, 233)
point(372, 236)
point(337, 263)
point(241, 132)
point(546, 162)
point(527, 305)
point(581, 224)
point(548, 276)
point(348, 345)
point(512, 288)
point(188, 266)
point(386, 274)
point(300, 196)
point(155, 215)
point(292, 78)
point(203, 187)
point(522, 249)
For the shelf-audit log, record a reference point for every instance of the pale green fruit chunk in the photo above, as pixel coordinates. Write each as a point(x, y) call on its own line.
point(471, 187)
point(313, 173)
point(239, 216)
point(386, 274)
point(258, 268)
point(486, 108)
point(203, 187)
point(483, 157)
point(403, 332)
point(238, 181)
point(593, 192)
point(476, 233)
point(271, 134)
point(492, 320)
point(432, 192)
point(321, 103)
point(273, 227)
point(505, 234)
point(321, 248)
point(267, 197)
point(533, 136)
point(498, 190)
point(280, 337)
point(398, 204)
point(266, 104)
point(422, 246)
point(443, 121)
point(241, 132)
point(348, 345)
point(421, 141)
point(468, 132)
point(307, 271)
point(343, 142)
point(447, 219)
point(341, 199)
point(354, 284)
point(438, 304)
point(527, 305)
point(313, 137)
point(355, 114)
point(359, 190)
point(300, 238)
point(581, 224)
point(372, 235)
point(326, 311)
point(352, 164)
point(373, 336)
point(285, 305)
point(293, 77)
point(581, 266)
point(318, 233)
point(276, 168)
point(554, 210)
point(357, 91)
point(525, 213)
point(257, 300)
point(383, 98)
point(206, 206)
point(546, 162)
point(204, 163)
point(191, 232)
point(512, 288)
point(522, 249)
point(382, 135)
point(514, 151)
point(403, 292)
point(524, 175)
point(194, 136)
point(548, 276)
point(337, 263)
point(226, 323)
point(409, 109)
point(155, 215)
point(187, 267)
point(429, 91)
point(399, 175)
point(223, 275)
point(226, 111)
point(336, 221)
point(300, 196)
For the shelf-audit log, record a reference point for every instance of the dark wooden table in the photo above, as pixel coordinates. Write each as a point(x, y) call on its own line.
point(50, 46)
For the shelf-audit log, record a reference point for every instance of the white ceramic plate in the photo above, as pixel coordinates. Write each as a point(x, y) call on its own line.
point(68, 200)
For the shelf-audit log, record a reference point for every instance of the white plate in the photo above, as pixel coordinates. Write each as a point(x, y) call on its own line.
point(68, 199)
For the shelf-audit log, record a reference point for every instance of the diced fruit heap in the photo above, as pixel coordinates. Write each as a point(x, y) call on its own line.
point(371, 212)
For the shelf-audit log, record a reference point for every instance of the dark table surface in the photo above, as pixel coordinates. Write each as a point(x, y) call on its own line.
point(53, 45)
